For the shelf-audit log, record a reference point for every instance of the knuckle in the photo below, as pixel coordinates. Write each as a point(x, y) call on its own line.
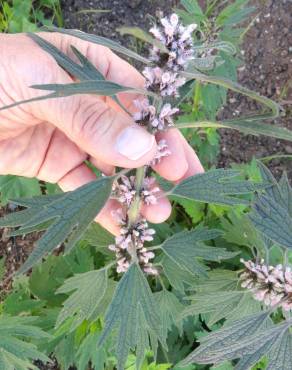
point(91, 121)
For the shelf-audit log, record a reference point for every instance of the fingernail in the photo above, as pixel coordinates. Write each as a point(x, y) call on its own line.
point(134, 142)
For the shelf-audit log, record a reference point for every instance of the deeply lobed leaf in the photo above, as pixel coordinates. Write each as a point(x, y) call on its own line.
point(229, 342)
point(134, 313)
point(186, 247)
point(272, 211)
point(89, 289)
point(70, 215)
point(15, 353)
point(216, 186)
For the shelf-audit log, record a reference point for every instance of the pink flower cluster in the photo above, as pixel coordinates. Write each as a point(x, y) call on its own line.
point(162, 151)
point(147, 116)
point(177, 40)
point(164, 82)
point(271, 285)
point(124, 190)
point(131, 241)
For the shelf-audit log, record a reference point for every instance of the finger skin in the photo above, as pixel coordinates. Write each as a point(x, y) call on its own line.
point(85, 119)
point(157, 213)
point(195, 166)
point(174, 166)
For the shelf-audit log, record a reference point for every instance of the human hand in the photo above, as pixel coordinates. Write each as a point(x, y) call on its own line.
point(51, 139)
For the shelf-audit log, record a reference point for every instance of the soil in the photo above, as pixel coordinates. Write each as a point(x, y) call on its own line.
point(15, 251)
point(267, 69)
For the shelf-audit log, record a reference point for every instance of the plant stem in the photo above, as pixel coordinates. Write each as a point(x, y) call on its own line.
point(134, 210)
point(197, 96)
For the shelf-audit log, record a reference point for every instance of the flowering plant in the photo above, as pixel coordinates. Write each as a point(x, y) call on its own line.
point(143, 277)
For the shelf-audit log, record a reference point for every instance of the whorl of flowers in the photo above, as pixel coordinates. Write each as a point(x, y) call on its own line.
point(271, 285)
point(177, 40)
point(147, 116)
point(131, 241)
point(124, 190)
point(162, 151)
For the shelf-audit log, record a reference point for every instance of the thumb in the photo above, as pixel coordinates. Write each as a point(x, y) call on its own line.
point(106, 134)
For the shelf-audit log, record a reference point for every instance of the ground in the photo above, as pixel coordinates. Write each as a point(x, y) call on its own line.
point(267, 55)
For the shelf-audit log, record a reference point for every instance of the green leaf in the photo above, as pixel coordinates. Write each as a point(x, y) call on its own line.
point(226, 14)
point(89, 289)
point(178, 278)
point(88, 352)
point(286, 192)
point(20, 302)
point(85, 71)
point(241, 338)
point(49, 275)
point(71, 213)
point(239, 16)
point(193, 209)
point(251, 127)
point(15, 352)
point(229, 305)
point(186, 247)
point(225, 46)
point(192, 6)
point(97, 87)
point(248, 124)
point(16, 186)
point(98, 237)
point(280, 356)
point(217, 280)
point(216, 186)
point(170, 308)
point(100, 41)
point(241, 231)
point(269, 345)
point(271, 212)
point(65, 351)
point(226, 365)
point(134, 313)
point(257, 128)
point(234, 86)
point(138, 33)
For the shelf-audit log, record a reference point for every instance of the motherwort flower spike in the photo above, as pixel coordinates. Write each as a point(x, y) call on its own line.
point(156, 115)
point(130, 244)
point(270, 284)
